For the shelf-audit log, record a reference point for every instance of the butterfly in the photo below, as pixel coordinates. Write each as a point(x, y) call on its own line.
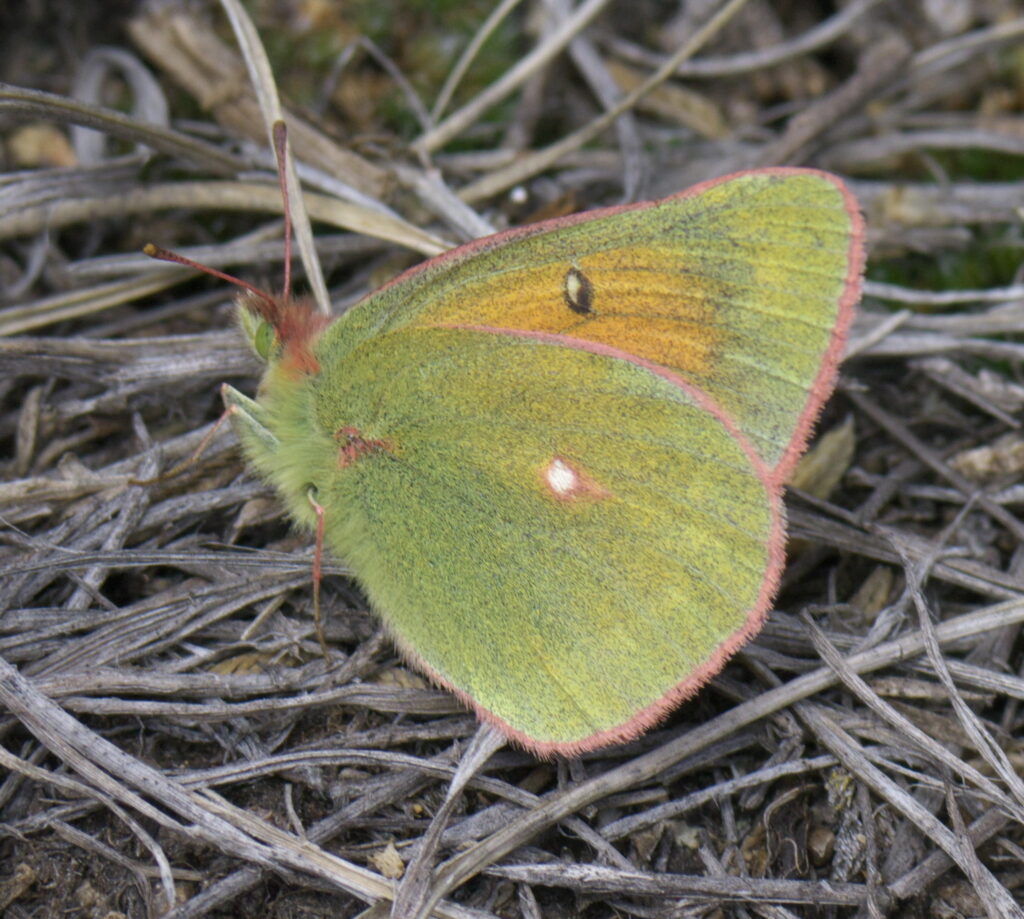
point(554, 458)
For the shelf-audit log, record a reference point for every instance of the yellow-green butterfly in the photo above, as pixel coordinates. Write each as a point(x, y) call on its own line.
point(554, 458)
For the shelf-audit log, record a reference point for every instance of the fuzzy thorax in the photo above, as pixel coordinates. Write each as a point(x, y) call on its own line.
point(278, 432)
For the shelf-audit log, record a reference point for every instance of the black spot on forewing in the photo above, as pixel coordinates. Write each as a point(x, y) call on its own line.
point(578, 292)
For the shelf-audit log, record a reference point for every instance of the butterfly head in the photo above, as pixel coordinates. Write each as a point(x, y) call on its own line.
point(282, 331)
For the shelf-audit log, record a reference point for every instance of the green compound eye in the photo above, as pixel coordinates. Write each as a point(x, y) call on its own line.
point(264, 340)
point(260, 334)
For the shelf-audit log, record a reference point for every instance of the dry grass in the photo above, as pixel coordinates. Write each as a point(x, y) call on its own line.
point(172, 734)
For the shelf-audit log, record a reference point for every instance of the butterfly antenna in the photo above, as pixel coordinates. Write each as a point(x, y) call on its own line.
point(280, 132)
point(166, 255)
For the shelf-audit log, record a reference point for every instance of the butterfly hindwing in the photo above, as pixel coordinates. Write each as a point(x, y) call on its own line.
point(563, 536)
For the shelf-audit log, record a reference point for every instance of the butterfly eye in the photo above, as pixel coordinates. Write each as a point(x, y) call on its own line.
point(264, 340)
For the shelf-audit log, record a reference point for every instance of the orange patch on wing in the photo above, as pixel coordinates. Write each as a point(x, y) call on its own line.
point(638, 300)
point(687, 346)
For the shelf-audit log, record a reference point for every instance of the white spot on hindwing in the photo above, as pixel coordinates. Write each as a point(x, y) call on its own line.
point(561, 477)
point(567, 482)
